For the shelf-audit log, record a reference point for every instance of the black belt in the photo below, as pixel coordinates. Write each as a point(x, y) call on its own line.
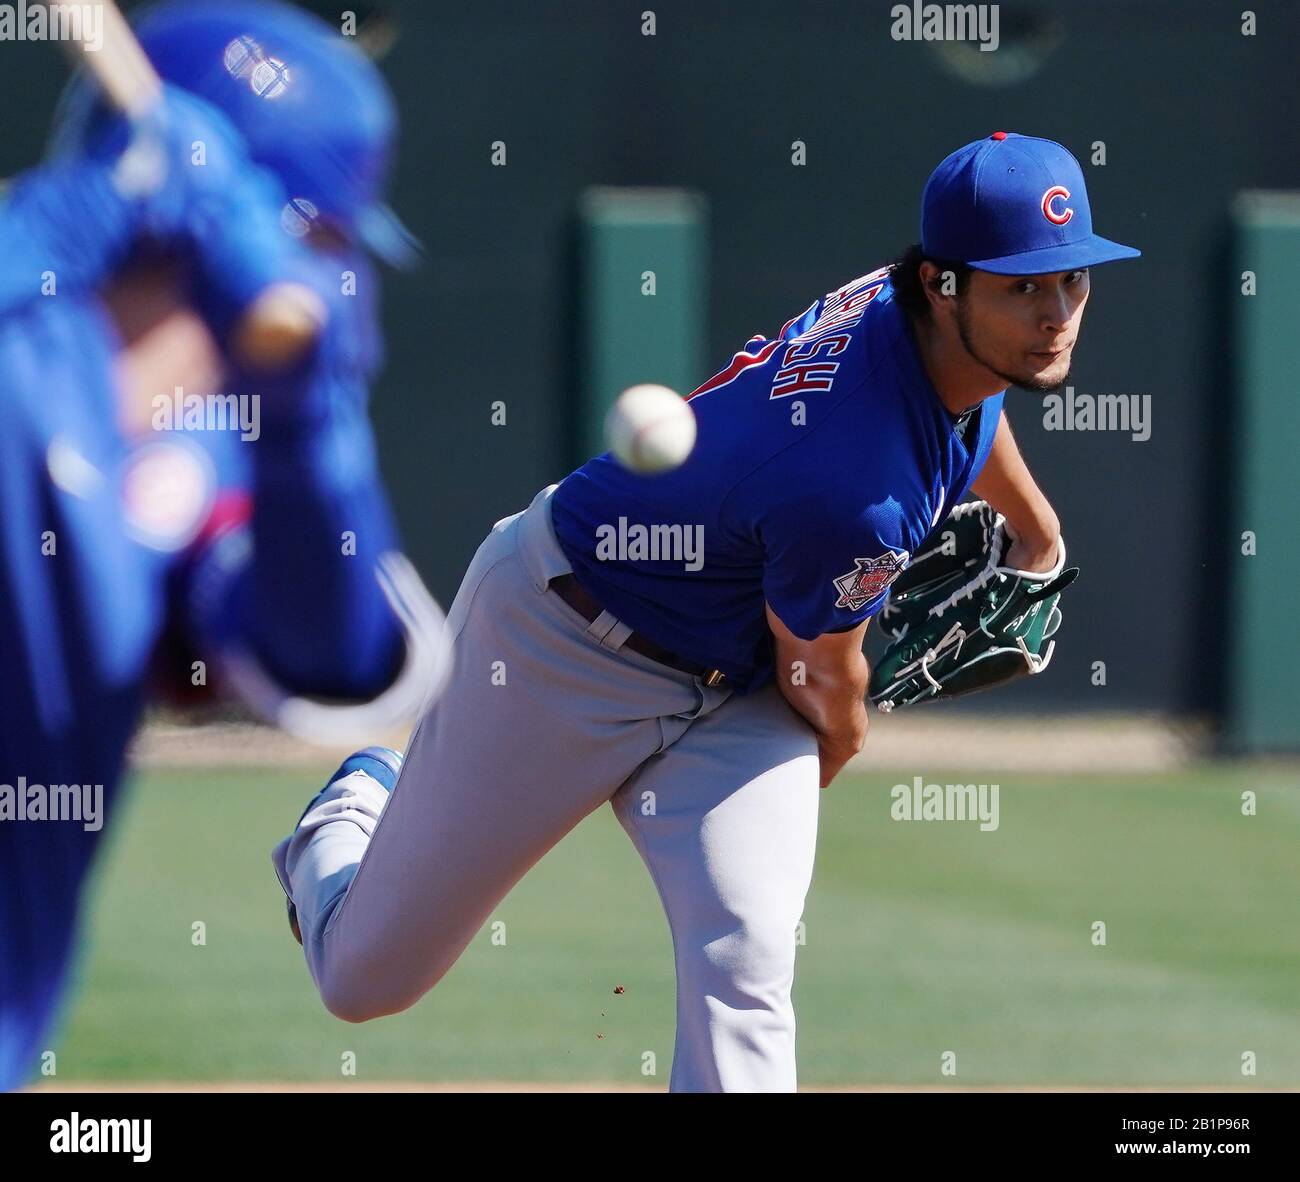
point(571, 591)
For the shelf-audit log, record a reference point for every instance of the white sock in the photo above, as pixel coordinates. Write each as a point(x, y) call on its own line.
point(318, 861)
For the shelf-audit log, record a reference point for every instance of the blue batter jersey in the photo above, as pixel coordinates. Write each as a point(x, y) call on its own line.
point(824, 458)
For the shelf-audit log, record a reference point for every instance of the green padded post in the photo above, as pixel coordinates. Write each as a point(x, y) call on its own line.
point(634, 242)
point(1263, 709)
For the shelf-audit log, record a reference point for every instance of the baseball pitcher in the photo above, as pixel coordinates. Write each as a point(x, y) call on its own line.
point(689, 646)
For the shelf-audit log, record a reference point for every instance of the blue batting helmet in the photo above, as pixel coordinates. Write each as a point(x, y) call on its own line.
point(311, 107)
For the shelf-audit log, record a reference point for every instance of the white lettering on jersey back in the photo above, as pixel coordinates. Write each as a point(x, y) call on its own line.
point(828, 334)
point(805, 366)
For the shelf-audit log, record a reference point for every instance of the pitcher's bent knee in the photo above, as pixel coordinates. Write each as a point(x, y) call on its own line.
point(357, 997)
point(360, 988)
point(347, 1008)
point(746, 968)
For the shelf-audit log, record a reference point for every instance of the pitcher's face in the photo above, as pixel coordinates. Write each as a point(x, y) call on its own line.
point(1023, 327)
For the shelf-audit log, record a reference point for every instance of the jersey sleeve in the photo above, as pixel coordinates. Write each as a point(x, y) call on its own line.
point(827, 573)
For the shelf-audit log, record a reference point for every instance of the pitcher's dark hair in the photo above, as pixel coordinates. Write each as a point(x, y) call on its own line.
point(906, 279)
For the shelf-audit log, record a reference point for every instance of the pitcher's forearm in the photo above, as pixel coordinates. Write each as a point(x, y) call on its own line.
point(825, 681)
point(836, 750)
point(1006, 483)
point(836, 710)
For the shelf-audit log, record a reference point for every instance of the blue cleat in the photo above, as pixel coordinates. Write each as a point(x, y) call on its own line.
point(381, 764)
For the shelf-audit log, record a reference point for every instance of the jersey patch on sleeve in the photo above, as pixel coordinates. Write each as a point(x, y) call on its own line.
point(868, 578)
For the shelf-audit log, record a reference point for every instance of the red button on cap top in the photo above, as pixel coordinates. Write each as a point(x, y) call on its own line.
point(998, 135)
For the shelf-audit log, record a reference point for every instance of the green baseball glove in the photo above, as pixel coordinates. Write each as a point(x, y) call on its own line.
point(961, 621)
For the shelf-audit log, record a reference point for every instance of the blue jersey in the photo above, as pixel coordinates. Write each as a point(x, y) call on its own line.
point(824, 458)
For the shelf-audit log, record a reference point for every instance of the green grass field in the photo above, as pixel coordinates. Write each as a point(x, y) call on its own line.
point(921, 938)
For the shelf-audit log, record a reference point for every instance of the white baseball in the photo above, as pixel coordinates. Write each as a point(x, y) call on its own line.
point(650, 429)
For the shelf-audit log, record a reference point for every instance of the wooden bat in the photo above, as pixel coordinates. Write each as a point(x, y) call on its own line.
point(284, 319)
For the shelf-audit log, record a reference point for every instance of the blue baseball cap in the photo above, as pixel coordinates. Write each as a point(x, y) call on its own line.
point(1013, 205)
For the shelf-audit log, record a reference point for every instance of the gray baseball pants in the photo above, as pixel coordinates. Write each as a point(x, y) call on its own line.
point(545, 718)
